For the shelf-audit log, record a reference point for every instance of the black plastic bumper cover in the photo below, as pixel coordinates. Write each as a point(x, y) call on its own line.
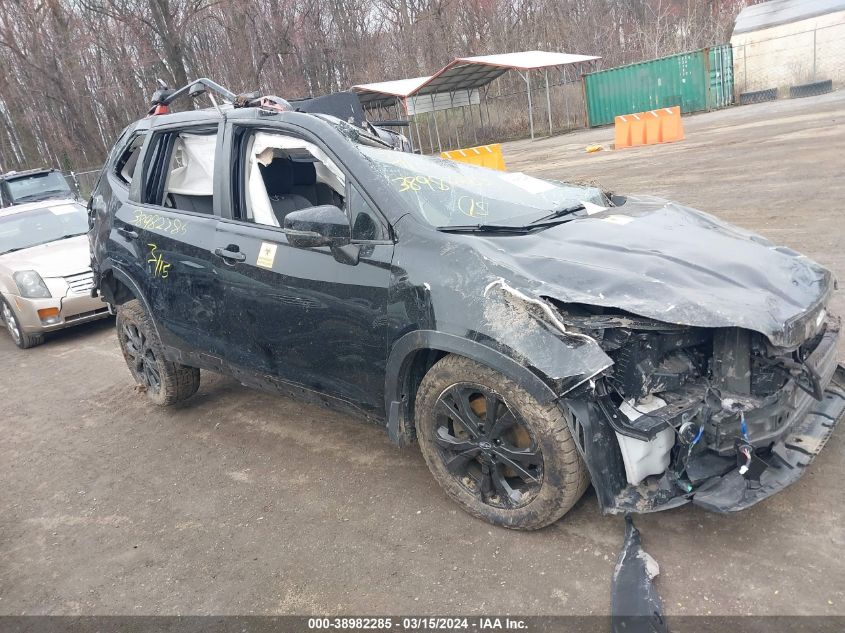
point(790, 457)
point(635, 605)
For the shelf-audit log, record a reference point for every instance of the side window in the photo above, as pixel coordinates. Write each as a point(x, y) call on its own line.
point(125, 166)
point(366, 223)
point(283, 174)
point(180, 174)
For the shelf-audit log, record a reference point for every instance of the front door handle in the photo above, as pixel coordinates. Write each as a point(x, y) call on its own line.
point(129, 234)
point(225, 253)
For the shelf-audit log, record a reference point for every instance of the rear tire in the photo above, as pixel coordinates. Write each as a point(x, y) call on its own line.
point(164, 382)
point(13, 326)
point(518, 468)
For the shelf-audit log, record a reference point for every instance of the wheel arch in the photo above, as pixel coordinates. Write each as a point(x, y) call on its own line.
point(416, 352)
point(118, 287)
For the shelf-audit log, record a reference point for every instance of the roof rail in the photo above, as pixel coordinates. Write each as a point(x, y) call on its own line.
point(162, 98)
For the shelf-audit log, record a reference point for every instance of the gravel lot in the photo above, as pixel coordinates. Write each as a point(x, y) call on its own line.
point(239, 502)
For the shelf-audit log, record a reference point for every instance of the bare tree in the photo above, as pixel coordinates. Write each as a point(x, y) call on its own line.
point(73, 73)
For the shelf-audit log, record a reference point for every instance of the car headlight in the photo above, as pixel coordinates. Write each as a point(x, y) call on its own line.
point(31, 285)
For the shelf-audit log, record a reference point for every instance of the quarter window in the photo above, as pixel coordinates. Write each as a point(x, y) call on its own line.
point(181, 171)
point(125, 166)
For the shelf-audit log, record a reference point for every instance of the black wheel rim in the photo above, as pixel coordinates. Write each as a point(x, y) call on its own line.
point(141, 357)
point(487, 447)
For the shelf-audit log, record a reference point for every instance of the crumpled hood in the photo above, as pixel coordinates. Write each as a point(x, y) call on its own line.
point(659, 259)
point(54, 259)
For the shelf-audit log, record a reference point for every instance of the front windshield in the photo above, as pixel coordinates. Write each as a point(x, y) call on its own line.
point(448, 193)
point(39, 226)
point(31, 188)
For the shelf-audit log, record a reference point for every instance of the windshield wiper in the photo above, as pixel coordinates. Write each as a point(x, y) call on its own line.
point(55, 239)
point(42, 195)
point(555, 217)
point(558, 213)
point(485, 228)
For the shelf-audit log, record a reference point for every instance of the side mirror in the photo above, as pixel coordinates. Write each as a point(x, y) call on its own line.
point(325, 225)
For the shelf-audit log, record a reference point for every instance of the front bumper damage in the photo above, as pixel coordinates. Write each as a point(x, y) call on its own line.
point(749, 447)
point(635, 605)
point(789, 458)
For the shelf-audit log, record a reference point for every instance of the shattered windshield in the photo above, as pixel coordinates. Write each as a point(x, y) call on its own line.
point(49, 184)
point(447, 193)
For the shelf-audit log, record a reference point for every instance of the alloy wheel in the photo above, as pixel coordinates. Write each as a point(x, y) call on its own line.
point(143, 358)
point(11, 323)
point(487, 447)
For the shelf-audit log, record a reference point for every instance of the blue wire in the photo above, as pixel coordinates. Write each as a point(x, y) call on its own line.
point(698, 436)
point(743, 427)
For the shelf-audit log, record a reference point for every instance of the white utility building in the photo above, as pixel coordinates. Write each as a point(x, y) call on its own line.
point(784, 43)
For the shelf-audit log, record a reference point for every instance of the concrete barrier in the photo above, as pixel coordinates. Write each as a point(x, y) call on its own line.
point(646, 128)
point(489, 156)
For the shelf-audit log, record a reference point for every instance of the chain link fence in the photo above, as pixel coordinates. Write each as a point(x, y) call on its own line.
point(83, 181)
point(503, 113)
point(798, 62)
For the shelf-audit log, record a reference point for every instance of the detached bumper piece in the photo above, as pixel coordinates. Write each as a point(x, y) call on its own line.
point(635, 605)
point(788, 459)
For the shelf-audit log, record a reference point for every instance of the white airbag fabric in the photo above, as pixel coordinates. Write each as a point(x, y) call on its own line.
point(193, 165)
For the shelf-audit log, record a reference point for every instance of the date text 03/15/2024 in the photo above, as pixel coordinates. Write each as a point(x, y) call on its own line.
point(417, 623)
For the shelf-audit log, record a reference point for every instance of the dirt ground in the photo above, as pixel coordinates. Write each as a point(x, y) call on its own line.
point(244, 503)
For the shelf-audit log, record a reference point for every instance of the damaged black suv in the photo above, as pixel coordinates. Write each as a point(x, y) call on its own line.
point(532, 336)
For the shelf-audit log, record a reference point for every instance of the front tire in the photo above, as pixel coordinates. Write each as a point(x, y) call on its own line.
point(19, 337)
point(164, 382)
point(494, 449)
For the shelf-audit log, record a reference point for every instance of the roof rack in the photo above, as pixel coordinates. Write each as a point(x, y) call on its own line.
point(162, 98)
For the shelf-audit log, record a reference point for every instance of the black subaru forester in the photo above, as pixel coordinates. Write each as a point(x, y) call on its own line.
point(533, 336)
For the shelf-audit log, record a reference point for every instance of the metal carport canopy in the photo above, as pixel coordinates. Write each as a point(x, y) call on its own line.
point(386, 93)
point(469, 73)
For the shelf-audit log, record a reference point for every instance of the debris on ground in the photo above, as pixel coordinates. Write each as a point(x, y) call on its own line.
point(635, 605)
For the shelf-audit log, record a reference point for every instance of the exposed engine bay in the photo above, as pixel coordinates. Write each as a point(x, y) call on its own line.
point(691, 406)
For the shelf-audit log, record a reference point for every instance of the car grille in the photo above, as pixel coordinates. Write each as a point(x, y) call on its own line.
point(80, 283)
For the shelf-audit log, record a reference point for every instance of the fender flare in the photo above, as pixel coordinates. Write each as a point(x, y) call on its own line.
point(126, 279)
point(399, 424)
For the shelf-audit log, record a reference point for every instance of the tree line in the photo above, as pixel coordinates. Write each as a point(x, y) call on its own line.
point(73, 73)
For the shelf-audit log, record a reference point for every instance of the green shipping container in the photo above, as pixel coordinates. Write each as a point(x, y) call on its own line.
point(700, 80)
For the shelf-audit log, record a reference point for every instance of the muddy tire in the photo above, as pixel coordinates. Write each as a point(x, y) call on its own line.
point(13, 326)
point(164, 382)
point(494, 449)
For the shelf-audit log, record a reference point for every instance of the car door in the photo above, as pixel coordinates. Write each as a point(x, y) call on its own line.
point(169, 225)
point(300, 314)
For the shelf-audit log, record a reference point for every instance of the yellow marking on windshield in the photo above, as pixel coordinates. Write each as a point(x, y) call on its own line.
point(472, 207)
point(417, 183)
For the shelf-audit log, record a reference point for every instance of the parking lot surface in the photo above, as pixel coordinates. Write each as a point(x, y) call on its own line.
point(239, 502)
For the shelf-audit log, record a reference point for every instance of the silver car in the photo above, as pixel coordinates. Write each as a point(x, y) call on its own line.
point(45, 270)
